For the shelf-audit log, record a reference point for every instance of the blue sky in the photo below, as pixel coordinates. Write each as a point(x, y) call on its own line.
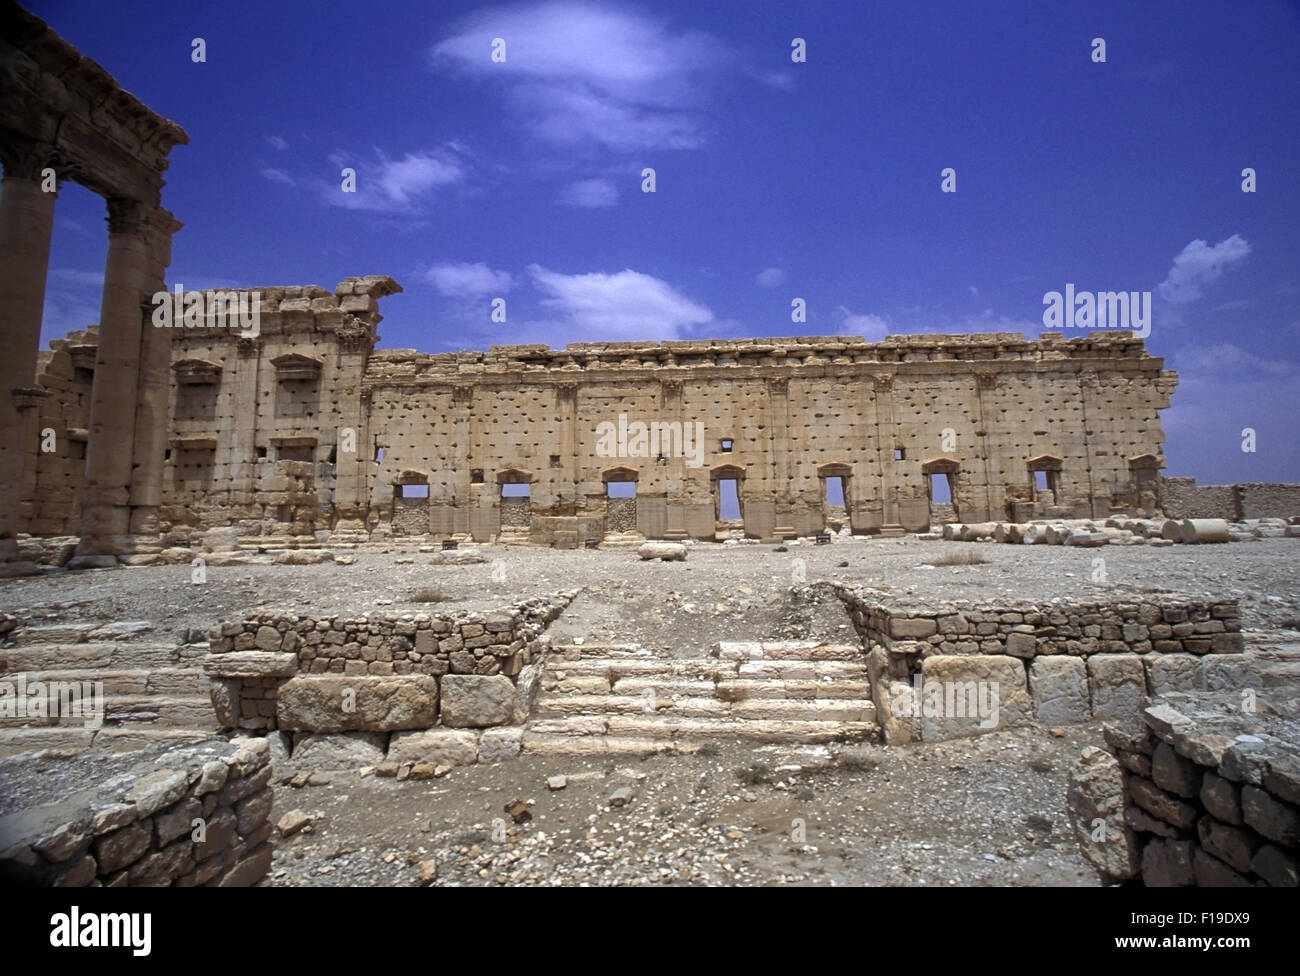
point(774, 179)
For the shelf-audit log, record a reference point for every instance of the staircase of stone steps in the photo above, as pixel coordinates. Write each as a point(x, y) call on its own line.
point(614, 700)
point(153, 689)
point(1275, 659)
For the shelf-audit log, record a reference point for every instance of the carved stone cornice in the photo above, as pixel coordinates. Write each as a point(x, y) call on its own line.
point(27, 397)
point(353, 334)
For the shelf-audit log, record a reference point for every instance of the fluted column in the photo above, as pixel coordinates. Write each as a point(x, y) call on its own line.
point(26, 223)
point(130, 278)
point(152, 416)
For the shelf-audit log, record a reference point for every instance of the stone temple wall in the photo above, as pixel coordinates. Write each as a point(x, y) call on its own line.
point(306, 433)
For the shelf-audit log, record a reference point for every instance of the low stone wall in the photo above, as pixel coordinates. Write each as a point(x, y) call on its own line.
point(1057, 663)
point(1184, 498)
point(378, 674)
point(1268, 500)
point(1204, 791)
point(192, 815)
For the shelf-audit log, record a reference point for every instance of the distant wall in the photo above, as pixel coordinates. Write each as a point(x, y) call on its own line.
point(1184, 498)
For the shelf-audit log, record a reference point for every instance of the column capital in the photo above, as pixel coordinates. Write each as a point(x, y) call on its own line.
point(26, 160)
point(127, 217)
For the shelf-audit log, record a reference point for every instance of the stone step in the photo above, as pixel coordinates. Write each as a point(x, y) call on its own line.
point(98, 655)
point(71, 740)
point(688, 729)
point(544, 744)
point(809, 650)
point(600, 650)
point(160, 711)
point(802, 670)
point(60, 633)
point(762, 709)
point(740, 689)
point(703, 669)
point(151, 681)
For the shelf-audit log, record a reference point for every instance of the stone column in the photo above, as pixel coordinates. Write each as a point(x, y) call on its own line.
point(152, 414)
point(129, 280)
point(778, 397)
point(26, 222)
point(886, 434)
point(673, 470)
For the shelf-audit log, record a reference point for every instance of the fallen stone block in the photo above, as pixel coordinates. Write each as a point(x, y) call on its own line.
point(666, 551)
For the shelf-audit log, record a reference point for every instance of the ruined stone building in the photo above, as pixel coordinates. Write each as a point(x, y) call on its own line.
point(306, 433)
point(131, 435)
point(63, 117)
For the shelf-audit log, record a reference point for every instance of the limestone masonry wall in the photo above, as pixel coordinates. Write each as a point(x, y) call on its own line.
point(305, 433)
point(379, 674)
point(1061, 662)
point(1184, 498)
point(1205, 791)
point(134, 819)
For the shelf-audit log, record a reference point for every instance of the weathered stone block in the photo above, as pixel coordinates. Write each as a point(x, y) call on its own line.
point(1117, 684)
point(1059, 686)
point(329, 703)
point(968, 695)
point(439, 747)
point(475, 701)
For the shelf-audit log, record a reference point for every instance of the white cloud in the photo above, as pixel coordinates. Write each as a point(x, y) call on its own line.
point(386, 185)
point(618, 307)
point(873, 328)
point(1198, 265)
point(468, 281)
point(589, 194)
point(278, 142)
point(75, 277)
point(770, 278)
point(277, 176)
point(578, 73)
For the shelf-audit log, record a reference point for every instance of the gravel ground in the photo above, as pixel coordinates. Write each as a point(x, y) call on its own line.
point(718, 593)
point(988, 811)
point(985, 811)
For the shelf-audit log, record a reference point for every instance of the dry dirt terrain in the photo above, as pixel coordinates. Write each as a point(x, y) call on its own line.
point(985, 811)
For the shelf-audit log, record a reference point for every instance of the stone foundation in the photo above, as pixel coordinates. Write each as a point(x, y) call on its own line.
point(192, 815)
point(379, 674)
point(1057, 663)
point(1205, 790)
